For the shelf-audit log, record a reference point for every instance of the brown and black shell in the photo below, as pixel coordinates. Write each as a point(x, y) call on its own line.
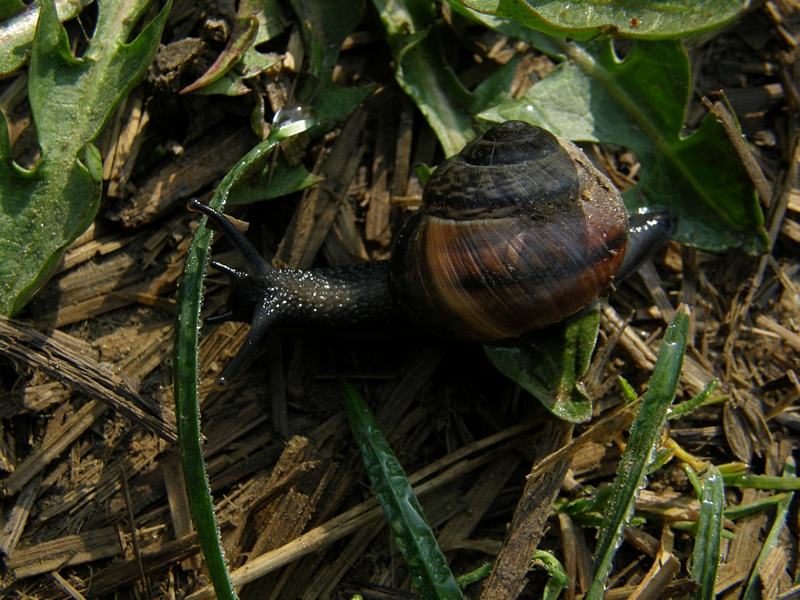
point(517, 232)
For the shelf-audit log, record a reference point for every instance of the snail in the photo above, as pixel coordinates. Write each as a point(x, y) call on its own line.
point(517, 232)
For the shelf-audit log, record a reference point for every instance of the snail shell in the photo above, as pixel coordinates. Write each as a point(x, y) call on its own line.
point(517, 232)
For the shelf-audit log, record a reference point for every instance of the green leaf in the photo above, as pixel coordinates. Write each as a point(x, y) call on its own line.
point(422, 71)
point(44, 209)
point(187, 412)
point(734, 513)
point(326, 25)
point(773, 538)
point(417, 543)
point(685, 408)
point(17, 31)
point(273, 182)
point(645, 434)
point(478, 574)
point(10, 8)
point(512, 29)
point(639, 102)
point(558, 576)
point(706, 557)
point(763, 482)
point(551, 365)
point(240, 40)
point(592, 18)
point(257, 21)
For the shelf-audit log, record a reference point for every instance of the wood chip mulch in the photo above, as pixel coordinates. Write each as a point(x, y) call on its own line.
point(93, 502)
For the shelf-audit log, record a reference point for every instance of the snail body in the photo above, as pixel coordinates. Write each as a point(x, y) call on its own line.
point(516, 232)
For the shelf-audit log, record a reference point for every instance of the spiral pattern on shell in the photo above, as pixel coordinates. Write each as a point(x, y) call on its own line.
point(517, 232)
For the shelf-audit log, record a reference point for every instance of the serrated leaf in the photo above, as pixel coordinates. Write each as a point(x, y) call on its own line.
point(589, 19)
point(551, 365)
point(639, 102)
point(44, 209)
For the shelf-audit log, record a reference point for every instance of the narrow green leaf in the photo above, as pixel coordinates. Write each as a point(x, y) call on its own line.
point(706, 557)
point(628, 393)
point(553, 567)
point(592, 18)
point(187, 317)
point(639, 102)
point(417, 543)
point(737, 512)
point(644, 436)
point(44, 209)
point(257, 21)
point(240, 40)
point(773, 538)
point(685, 408)
point(763, 482)
point(475, 576)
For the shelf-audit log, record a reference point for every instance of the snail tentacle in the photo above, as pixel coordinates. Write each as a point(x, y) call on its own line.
point(263, 316)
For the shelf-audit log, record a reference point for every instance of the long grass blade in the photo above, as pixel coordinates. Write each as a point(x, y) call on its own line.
point(638, 455)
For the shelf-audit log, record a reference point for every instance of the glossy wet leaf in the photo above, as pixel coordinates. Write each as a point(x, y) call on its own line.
point(18, 26)
point(640, 450)
point(589, 19)
point(413, 535)
point(639, 102)
point(551, 364)
point(706, 554)
point(45, 208)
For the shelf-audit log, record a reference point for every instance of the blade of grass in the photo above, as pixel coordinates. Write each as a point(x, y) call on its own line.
point(645, 433)
point(417, 543)
point(763, 482)
point(752, 592)
point(705, 558)
point(189, 302)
